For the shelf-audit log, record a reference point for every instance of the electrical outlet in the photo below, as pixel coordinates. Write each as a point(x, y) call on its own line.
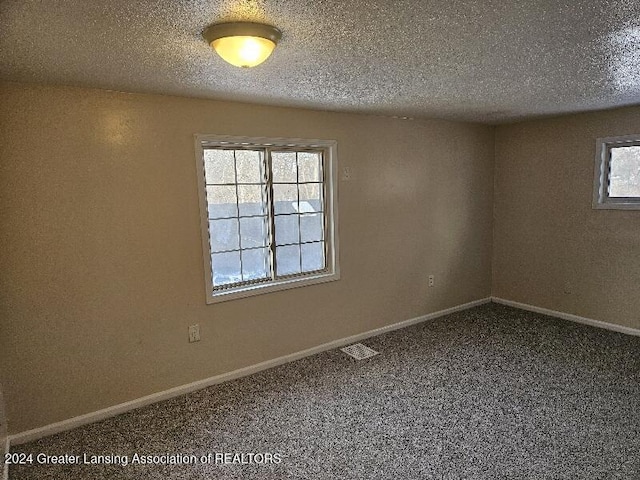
point(432, 280)
point(194, 333)
point(346, 174)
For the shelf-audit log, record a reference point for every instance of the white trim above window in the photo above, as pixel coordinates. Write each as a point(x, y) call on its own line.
point(617, 173)
point(268, 209)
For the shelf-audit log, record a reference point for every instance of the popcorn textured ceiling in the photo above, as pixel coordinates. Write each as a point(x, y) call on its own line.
point(490, 61)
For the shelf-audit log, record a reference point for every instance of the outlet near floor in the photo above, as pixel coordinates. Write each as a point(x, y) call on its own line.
point(194, 333)
point(432, 280)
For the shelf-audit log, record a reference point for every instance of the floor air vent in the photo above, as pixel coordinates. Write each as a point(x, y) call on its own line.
point(359, 351)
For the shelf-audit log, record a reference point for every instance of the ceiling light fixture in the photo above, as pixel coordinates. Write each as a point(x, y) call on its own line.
point(243, 44)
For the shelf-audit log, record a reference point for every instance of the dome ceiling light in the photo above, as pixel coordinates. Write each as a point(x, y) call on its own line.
point(243, 44)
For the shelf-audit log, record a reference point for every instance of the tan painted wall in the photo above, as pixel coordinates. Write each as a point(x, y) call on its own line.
point(101, 255)
point(3, 431)
point(551, 249)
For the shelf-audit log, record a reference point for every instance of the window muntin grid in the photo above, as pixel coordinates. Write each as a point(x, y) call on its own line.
point(299, 207)
point(236, 192)
point(290, 218)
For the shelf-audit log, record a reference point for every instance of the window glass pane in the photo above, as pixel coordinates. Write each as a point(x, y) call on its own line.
point(310, 197)
point(288, 260)
point(312, 256)
point(223, 235)
point(253, 232)
point(283, 167)
point(250, 166)
point(255, 264)
point(221, 201)
point(285, 198)
point(287, 229)
point(311, 228)
point(251, 200)
point(219, 166)
point(309, 168)
point(226, 268)
point(624, 178)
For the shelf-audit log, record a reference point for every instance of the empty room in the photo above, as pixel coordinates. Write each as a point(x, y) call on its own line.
point(295, 239)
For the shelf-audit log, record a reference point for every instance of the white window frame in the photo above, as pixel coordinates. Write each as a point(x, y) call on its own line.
point(332, 270)
point(601, 198)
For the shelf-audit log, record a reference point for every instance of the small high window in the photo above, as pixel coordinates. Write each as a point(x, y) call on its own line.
point(268, 214)
point(617, 173)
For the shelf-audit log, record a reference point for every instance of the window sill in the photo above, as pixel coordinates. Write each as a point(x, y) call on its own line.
point(278, 285)
point(617, 206)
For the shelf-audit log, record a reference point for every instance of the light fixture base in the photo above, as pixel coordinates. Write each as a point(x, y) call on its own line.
point(241, 29)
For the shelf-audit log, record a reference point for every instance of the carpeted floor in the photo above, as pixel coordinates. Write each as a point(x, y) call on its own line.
point(488, 393)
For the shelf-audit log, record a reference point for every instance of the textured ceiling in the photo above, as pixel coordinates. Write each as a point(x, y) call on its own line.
point(481, 60)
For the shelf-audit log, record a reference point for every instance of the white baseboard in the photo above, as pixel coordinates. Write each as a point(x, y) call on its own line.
point(568, 316)
point(92, 417)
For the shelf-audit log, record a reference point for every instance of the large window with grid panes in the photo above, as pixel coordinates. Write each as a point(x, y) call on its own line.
point(268, 214)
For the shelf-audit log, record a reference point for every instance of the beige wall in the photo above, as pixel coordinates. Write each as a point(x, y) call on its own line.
point(101, 255)
point(3, 431)
point(551, 249)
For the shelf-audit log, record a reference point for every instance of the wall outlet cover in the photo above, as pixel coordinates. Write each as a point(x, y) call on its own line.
point(194, 333)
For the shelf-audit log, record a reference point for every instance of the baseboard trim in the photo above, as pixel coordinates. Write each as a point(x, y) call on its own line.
point(568, 316)
point(64, 425)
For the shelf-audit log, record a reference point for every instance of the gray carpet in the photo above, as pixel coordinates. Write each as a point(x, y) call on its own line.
point(488, 393)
